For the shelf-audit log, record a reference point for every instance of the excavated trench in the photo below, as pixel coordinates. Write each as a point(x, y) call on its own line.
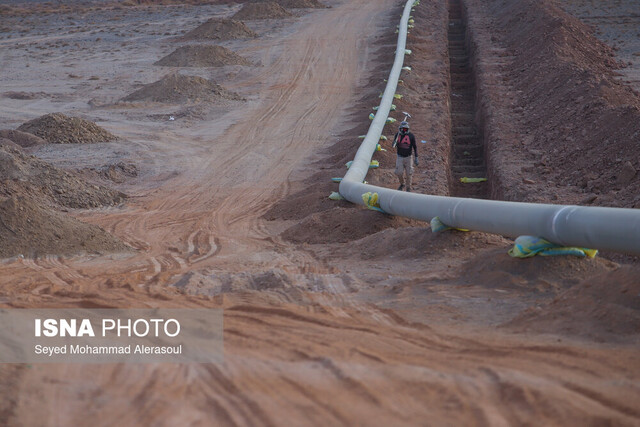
point(467, 145)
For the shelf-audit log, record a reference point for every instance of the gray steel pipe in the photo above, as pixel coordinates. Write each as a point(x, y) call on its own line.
point(612, 229)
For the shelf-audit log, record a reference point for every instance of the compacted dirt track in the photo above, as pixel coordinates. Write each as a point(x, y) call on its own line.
point(302, 345)
point(214, 207)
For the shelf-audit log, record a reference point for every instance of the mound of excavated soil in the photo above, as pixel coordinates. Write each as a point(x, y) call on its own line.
point(220, 29)
point(568, 128)
point(32, 230)
point(58, 128)
point(23, 139)
point(341, 225)
point(26, 175)
point(178, 88)
point(8, 143)
point(266, 10)
point(202, 56)
point(605, 304)
point(496, 269)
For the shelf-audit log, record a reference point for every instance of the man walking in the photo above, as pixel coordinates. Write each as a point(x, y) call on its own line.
point(404, 141)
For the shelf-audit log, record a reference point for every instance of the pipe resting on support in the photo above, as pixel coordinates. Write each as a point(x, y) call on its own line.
point(612, 229)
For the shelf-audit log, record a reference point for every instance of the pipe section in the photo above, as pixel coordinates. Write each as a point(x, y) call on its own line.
point(612, 229)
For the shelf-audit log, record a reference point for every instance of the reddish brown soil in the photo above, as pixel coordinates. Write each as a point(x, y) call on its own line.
point(31, 230)
point(22, 175)
point(202, 56)
point(266, 10)
point(402, 326)
point(564, 130)
point(177, 88)
point(425, 98)
point(594, 308)
point(9, 143)
point(219, 29)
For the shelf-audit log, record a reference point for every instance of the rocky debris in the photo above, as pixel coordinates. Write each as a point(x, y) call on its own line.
point(626, 175)
point(58, 128)
point(223, 282)
point(22, 139)
point(119, 172)
point(265, 10)
point(31, 230)
point(21, 174)
point(8, 143)
point(176, 88)
point(220, 29)
point(341, 225)
point(561, 97)
point(202, 56)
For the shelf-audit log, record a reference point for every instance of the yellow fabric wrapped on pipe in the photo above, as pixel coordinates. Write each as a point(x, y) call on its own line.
point(374, 164)
point(528, 246)
point(371, 201)
point(437, 226)
point(466, 180)
point(382, 137)
point(393, 107)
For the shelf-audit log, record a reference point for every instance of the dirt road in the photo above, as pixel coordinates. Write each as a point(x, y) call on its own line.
point(309, 339)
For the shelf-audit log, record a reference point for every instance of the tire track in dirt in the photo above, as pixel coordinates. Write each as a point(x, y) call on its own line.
point(354, 362)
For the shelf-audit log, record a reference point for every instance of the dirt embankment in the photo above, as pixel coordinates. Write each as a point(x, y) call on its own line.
point(58, 128)
point(177, 88)
point(26, 175)
point(320, 220)
point(559, 126)
point(425, 95)
point(31, 192)
point(202, 56)
point(604, 304)
point(22, 139)
point(30, 229)
point(220, 29)
point(265, 10)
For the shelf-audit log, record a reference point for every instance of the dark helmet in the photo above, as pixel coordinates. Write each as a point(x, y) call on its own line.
point(403, 125)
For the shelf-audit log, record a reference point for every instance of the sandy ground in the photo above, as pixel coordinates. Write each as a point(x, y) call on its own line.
point(372, 331)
